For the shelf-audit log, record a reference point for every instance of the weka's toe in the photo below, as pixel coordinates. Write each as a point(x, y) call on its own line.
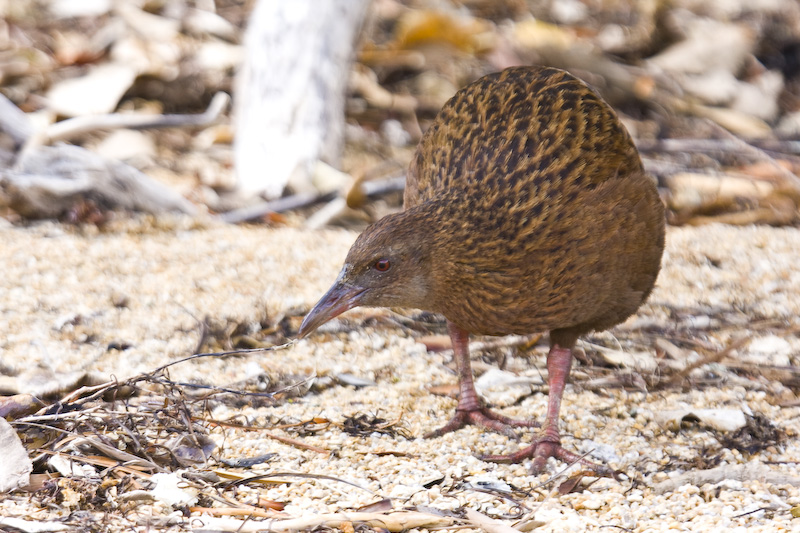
point(485, 418)
point(545, 448)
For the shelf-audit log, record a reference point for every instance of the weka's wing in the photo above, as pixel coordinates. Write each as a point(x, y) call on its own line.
point(517, 134)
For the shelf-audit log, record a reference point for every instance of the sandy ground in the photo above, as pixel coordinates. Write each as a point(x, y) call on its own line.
point(66, 294)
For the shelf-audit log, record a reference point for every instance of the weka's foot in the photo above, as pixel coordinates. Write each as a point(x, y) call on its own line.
point(482, 417)
point(547, 447)
point(470, 410)
point(548, 443)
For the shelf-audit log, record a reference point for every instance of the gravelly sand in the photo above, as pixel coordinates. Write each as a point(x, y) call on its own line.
point(66, 294)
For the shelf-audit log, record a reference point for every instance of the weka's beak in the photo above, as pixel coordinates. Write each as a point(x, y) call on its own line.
point(336, 301)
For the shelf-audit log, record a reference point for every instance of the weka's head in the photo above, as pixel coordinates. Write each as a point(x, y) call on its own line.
point(387, 266)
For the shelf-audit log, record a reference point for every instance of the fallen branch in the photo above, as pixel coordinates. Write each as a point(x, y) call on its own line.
point(354, 198)
point(233, 511)
point(713, 358)
point(296, 443)
point(364, 82)
point(747, 472)
point(270, 478)
point(280, 205)
point(113, 121)
point(50, 181)
point(400, 521)
point(99, 461)
point(297, 201)
point(705, 146)
point(789, 179)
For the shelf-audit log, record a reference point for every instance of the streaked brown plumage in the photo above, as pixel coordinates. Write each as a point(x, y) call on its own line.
point(526, 209)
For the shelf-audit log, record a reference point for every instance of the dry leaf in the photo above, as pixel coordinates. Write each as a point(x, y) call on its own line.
point(18, 405)
point(34, 526)
point(535, 35)
point(96, 92)
point(487, 524)
point(125, 145)
point(271, 504)
point(769, 350)
point(709, 44)
point(436, 343)
point(759, 98)
point(381, 506)
point(495, 378)
point(572, 484)
point(734, 121)
point(450, 390)
point(171, 489)
point(419, 27)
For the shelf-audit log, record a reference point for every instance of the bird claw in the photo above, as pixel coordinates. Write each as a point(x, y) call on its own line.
point(543, 449)
point(485, 418)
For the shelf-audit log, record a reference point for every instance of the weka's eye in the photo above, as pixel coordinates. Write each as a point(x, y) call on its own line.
point(382, 265)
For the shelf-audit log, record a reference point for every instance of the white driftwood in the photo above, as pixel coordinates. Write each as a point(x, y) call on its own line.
point(50, 180)
point(289, 99)
point(754, 471)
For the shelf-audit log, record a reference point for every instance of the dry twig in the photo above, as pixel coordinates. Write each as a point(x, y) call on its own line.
point(713, 358)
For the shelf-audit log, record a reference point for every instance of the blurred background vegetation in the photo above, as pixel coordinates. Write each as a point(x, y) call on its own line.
point(710, 89)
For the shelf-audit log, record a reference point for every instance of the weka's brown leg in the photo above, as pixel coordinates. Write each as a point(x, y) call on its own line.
point(470, 410)
point(548, 443)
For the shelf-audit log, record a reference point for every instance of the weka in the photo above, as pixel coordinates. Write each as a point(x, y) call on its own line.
point(526, 209)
